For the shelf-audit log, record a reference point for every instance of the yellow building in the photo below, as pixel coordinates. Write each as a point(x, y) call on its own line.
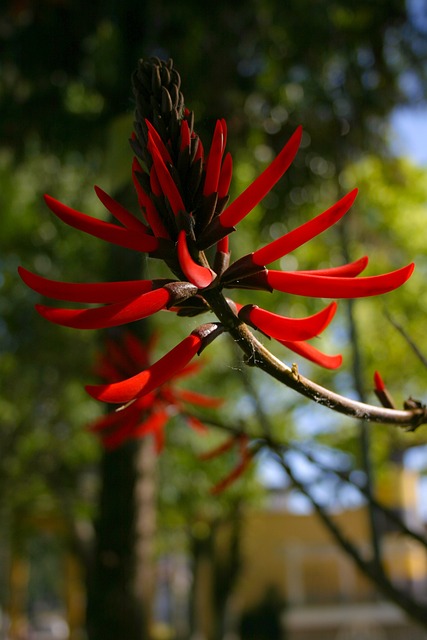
point(324, 595)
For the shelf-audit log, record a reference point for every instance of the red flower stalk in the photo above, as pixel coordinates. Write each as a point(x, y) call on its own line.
point(149, 413)
point(183, 197)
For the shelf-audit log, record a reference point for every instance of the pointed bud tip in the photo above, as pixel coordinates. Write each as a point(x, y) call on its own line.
point(378, 382)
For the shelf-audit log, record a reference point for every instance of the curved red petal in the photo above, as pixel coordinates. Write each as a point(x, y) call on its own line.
point(93, 292)
point(198, 275)
point(120, 212)
point(113, 440)
point(314, 355)
point(149, 210)
point(196, 424)
point(290, 329)
point(169, 188)
point(225, 446)
point(232, 476)
point(315, 286)
point(349, 270)
point(106, 422)
point(185, 135)
point(111, 315)
point(161, 147)
point(199, 399)
point(155, 422)
point(256, 191)
point(307, 231)
point(138, 350)
point(213, 165)
point(225, 176)
point(100, 229)
point(144, 382)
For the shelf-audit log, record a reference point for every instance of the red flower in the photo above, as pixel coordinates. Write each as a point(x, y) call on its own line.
point(183, 197)
point(150, 412)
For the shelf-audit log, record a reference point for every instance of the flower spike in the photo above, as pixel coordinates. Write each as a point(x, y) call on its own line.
point(183, 195)
point(148, 414)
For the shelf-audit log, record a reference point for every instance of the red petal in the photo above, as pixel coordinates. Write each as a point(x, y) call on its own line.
point(100, 229)
point(196, 424)
point(315, 286)
point(200, 276)
point(299, 236)
point(256, 191)
point(232, 477)
point(111, 315)
point(93, 292)
point(379, 382)
point(144, 382)
point(155, 422)
point(146, 205)
point(119, 212)
point(117, 355)
point(159, 441)
point(349, 270)
point(198, 398)
point(314, 355)
point(169, 188)
point(225, 176)
point(106, 422)
point(116, 438)
point(185, 135)
point(151, 214)
point(225, 446)
point(200, 152)
point(161, 147)
point(139, 351)
point(213, 165)
point(223, 245)
point(290, 329)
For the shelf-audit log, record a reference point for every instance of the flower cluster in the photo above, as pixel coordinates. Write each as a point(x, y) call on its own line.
point(148, 414)
point(183, 194)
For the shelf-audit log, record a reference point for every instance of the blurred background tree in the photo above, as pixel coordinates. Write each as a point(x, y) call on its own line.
point(339, 68)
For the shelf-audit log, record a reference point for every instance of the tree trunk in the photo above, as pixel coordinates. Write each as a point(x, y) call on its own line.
point(113, 609)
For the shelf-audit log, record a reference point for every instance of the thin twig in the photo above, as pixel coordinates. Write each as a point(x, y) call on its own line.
point(414, 609)
point(406, 337)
